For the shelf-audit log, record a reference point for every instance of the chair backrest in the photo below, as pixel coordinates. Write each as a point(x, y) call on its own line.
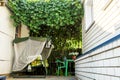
point(46, 52)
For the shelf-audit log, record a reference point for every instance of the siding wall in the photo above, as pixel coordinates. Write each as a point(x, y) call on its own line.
point(7, 34)
point(102, 63)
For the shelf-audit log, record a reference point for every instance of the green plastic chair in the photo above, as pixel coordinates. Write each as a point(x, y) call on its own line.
point(63, 64)
point(60, 65)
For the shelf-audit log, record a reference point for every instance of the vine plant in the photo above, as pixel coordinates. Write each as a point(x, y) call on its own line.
point(58, 19)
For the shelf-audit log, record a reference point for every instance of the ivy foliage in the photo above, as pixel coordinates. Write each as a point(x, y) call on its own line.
point(52, 13)
point(58, 19)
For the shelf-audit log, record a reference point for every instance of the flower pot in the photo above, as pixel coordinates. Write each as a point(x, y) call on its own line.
point(73, 57)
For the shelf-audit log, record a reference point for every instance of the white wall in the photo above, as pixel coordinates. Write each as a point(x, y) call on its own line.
point(103, 63)
point(7, 34)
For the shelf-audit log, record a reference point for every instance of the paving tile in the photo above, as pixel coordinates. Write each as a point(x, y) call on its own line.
point(47, 78)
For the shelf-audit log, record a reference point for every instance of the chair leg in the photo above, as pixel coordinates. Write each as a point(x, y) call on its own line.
point(46, 71)
point(66, 69)
point(58, 71)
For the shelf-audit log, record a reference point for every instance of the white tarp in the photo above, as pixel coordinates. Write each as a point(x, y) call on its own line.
point(26, 52)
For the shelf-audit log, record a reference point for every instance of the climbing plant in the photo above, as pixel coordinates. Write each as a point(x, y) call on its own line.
point(58, 19)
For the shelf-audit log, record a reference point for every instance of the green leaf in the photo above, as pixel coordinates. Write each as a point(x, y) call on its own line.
point(58, 19)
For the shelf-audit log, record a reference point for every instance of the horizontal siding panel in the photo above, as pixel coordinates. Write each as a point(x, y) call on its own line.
point(99, 71)
point(103, 66)
point(102, 63)
point(108, 20)
point(99, 41)
point(84, 76)
point(101, 56)
point(118, 30)
point(97, 18)
point(102, 53)
point(110, 28)
point(103, 39)
point(92, 32)
point(95, 76)
point(107, 15)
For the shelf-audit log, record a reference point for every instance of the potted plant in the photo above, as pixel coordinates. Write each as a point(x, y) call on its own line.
point(73, 54)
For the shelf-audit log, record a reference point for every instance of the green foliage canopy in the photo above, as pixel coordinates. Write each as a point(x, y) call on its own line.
point(52, 13)
point(58, 19)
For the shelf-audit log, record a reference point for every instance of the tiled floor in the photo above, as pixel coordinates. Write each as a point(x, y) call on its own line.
point(47, 78)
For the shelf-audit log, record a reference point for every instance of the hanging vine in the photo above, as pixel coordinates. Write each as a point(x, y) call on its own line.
point(58, 19)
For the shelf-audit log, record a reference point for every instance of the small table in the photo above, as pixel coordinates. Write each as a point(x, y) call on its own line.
point(67, 61)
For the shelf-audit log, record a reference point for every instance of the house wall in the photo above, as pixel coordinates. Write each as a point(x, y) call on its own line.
point(101, 44)
point(7, 34)
point(24, 31)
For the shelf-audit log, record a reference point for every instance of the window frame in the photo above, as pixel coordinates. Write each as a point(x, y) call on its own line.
point(89, 17)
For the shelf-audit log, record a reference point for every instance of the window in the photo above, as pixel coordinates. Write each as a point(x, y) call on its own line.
point(88, 13)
